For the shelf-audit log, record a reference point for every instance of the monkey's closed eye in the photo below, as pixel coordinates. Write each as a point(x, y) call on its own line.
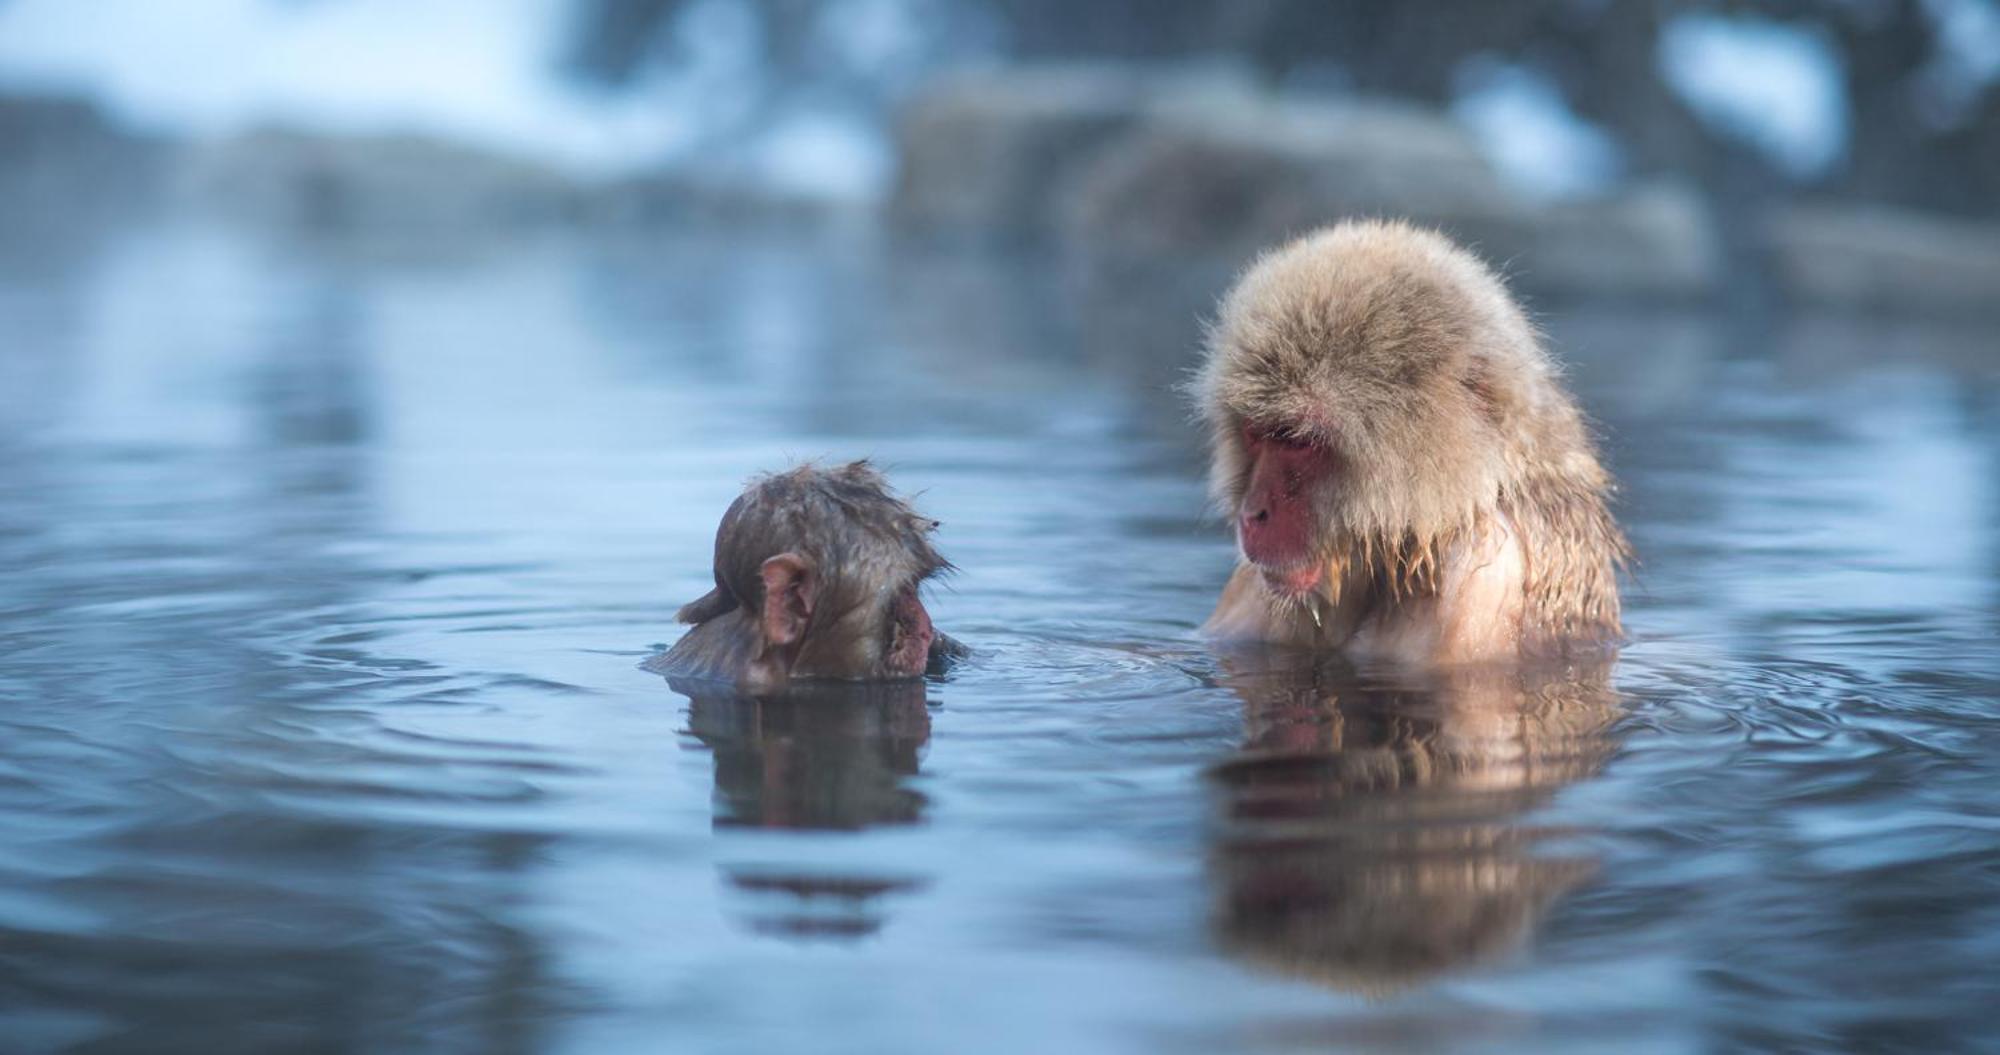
point(1285, 436)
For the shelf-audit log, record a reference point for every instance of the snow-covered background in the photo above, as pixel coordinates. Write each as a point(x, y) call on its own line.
point(494, 72)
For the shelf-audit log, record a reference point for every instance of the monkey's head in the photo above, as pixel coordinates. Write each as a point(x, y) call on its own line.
point(1372, 387)
point(820, 571)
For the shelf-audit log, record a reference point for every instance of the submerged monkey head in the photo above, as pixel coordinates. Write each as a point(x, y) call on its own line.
point(817, 576)
point(1372, 395)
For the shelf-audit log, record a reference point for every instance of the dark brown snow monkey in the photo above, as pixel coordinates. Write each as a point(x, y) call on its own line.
point(1408, 478)
point(817, 573)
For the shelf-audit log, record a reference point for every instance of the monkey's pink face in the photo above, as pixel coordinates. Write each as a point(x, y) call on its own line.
point(1276, 522)
point(910, 634)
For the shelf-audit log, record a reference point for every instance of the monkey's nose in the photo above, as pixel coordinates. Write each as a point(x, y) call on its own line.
point(1252, 518)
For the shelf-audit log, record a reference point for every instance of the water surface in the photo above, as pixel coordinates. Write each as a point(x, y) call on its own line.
point(329, 571)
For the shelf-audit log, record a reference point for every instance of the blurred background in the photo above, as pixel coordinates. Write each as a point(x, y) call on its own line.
point(1840, 152)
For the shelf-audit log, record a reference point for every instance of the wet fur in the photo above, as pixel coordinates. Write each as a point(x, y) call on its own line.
point(1469, 516)
point(863, 543)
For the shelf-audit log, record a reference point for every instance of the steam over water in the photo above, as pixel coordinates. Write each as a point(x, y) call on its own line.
point(329, 574)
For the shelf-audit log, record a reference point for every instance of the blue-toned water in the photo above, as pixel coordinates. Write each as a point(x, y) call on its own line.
point(329, 570)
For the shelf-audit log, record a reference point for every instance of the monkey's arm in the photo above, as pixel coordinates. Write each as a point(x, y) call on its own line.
point(1244, 612)
point(945, 650)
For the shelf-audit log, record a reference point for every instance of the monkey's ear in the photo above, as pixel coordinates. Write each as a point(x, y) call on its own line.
point(788, 598)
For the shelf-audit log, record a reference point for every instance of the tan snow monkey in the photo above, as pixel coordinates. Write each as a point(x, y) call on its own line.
point(1409, 480)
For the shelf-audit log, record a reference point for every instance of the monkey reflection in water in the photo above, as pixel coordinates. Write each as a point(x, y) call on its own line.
point(1372, 833)
point(831, 757)
point(804, 676)
point(825, 758)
